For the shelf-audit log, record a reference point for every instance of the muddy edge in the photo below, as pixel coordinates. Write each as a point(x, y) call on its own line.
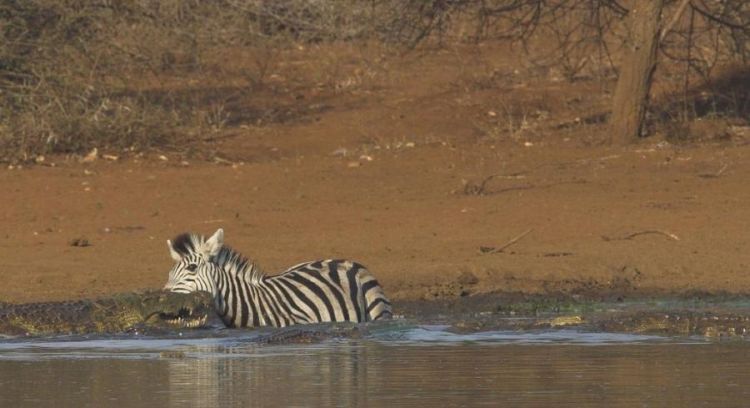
point(524, 304)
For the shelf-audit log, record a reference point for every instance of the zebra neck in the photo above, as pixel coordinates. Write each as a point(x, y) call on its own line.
point(248, 273)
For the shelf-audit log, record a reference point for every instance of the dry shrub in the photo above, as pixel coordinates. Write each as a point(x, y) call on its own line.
point(132, 74)
point(137, 74)
point(65, 68)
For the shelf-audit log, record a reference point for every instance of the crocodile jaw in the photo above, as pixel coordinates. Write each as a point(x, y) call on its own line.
point(184, 319)
point(179, 310)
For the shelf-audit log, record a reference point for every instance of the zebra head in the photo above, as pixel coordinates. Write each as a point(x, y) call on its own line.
point(195, 268)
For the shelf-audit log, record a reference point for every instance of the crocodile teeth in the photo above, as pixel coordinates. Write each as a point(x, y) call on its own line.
point(197, 322)
point(190, 323)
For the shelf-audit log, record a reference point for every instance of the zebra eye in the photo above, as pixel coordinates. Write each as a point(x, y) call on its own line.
point(192, 267)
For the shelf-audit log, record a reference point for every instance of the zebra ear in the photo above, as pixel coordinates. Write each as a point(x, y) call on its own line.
point(175, 255)
point(214, 244)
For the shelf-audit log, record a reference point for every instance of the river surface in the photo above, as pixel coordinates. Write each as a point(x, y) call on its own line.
point(396, 365)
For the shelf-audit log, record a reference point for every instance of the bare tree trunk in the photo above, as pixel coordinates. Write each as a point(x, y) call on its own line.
point(636, 71)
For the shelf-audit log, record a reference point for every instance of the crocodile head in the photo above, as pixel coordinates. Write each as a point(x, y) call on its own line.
point(178, 310)
point(113, 314)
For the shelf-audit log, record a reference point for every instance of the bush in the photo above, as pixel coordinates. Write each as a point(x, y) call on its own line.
point(64, 69)
point(139, 74)
point(78, 74)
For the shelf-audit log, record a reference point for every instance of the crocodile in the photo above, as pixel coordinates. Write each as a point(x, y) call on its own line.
point(710, 324)
point(711, 316)
point(162, 309)
point(314, 333)
point(114, 314)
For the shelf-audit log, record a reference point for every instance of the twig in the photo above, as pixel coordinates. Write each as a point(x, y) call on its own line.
point(508, 244)
point(676, 17)
point(715, 175)
point(635, 234)
point(219, 160)
point(480, 189)
point(505, 190)
point(213, 221)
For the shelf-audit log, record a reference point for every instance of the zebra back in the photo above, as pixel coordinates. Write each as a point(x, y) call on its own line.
point(346, 290)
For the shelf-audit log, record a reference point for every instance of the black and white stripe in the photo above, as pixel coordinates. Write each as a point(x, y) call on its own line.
point(320, 291)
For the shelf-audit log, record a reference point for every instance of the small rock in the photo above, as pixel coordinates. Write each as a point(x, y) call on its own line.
point(92, 156)
point(341, 151)
point(79, 242)
point(740, 130)
point(467, 278)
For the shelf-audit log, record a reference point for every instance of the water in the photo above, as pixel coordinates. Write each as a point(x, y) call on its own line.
point(392, 366)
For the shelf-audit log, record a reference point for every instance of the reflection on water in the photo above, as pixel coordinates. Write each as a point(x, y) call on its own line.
point(409, 368)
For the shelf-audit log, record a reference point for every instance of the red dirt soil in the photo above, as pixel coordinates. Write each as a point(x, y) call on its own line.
point(392, 176)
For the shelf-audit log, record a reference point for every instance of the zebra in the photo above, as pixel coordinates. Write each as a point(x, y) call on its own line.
point(333, 290)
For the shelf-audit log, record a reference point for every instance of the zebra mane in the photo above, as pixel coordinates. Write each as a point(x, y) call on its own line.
point(188, 243)
point(237, 264)
point(232, 261)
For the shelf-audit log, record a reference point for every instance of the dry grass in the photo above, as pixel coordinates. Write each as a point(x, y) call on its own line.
point(138, 74)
